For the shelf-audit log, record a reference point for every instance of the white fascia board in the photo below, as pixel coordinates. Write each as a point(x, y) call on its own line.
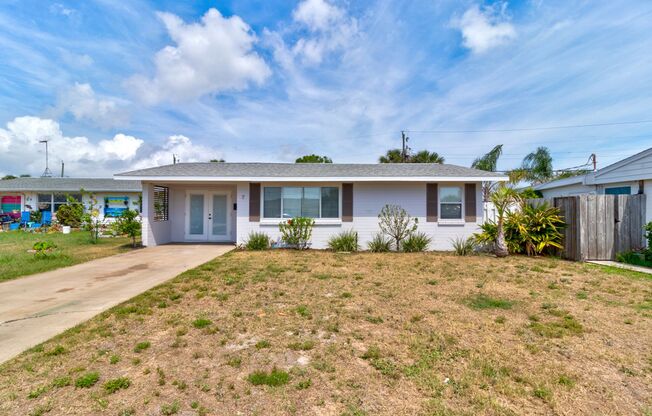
point(314, 179)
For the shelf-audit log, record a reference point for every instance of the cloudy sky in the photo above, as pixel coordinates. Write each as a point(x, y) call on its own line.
point(115, 85)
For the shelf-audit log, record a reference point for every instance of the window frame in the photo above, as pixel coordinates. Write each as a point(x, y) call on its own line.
point(462, 203)
point(618, 188)
point(318, 220)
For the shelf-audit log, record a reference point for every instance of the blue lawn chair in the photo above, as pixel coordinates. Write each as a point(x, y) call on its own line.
point(14, 226)
point(24, 218)
point(46, 218)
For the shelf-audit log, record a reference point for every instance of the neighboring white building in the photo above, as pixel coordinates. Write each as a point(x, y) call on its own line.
point(48, 194)
point(629, 176)
point(227, 201)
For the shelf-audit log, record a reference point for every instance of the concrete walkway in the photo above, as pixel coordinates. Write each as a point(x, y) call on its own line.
point(35, 308)
point(622, 266)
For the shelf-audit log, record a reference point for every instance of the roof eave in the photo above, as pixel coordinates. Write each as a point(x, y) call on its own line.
point(315, 178)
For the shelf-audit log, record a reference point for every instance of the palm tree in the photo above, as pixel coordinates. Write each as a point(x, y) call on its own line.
point(502, 199)
point(392, 156)
point(538, 165)
point(488, 162)
point(425, 156)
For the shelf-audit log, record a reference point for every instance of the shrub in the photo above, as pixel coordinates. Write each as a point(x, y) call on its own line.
point(463, 246)
point(416, 242)
point(43, 248)
point(296, 232)
point(257, 241)
point(396, 223)
point(116, 384)
point(128, 224)
point(87, 380)
point(638, 259)
point(379, 244)
point(344, 241)
point(274, 378)
point(71, 213)
point(532, 230)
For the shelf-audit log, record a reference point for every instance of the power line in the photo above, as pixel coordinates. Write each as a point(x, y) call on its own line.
point(570, 126)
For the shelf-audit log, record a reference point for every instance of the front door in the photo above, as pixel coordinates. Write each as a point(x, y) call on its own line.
point(207, 216)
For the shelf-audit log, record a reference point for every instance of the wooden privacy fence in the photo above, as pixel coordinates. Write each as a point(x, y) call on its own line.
point(600, 226)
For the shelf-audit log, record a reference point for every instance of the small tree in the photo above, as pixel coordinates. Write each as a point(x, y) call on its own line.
point(128, 224)
point(502, 199)
point(396, 223)
point(91, 219)
point(71, 213)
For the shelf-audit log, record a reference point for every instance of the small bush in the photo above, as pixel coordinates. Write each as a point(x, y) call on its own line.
point(257, 241)
point(379, 244)
point(116, 384)
point(61, 382)
point(463, 246)
point(344, 241)
point(87, 380)
point(274, 378)
point(416, 242)
point(170, 409)
point(297, 232)
point(43, 248)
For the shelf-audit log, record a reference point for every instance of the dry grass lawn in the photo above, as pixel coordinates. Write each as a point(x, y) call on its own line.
point(318, 333)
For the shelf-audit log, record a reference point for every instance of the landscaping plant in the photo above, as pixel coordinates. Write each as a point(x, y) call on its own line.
point(128, 224)
point(503, 198)
point(91, 220)
point(463, 246)
point(257, 241)
point(379, 244)
point(344, 241)
point(43, 248)
point(396, 223)
point(531, 230)
point(296, 232)
point(416, 242)
point(71, 213)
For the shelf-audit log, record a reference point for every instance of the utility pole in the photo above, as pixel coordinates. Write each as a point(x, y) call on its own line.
point(174, 159)
point(594, 158)
point(46, 173)
point(62, 166)
point(405, 139)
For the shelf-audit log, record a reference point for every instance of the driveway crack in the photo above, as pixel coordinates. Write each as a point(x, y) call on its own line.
point(46, 314)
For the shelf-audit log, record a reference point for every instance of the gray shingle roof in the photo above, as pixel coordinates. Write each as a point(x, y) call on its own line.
point(299, 170)
point(69, 185)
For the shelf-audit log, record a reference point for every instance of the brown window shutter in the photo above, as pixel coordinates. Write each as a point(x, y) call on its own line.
point(347, 202)
point(432, 208)
point(469, 202)
point(254, 202)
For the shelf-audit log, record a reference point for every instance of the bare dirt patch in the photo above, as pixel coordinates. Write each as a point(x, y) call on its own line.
point(321, 333)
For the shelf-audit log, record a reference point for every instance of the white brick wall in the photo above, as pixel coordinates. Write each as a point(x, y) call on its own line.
point(368, 200)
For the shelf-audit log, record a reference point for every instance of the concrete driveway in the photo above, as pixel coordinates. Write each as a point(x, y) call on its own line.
point(35, 308)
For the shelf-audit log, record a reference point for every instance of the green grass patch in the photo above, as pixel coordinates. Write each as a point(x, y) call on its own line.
point(482, 301)
point(142, 346)
point(566, 325)
point(87, 380)
point(274, 378)
point(116, 384)
point(200, 323)
point(73, 248)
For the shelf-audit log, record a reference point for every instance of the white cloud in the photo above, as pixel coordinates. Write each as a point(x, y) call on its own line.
point(84, 104)
point(21, 152)
point(329, 29)
point(212, 56)
point(317, 14)
point(184, 150)
point(483, 29)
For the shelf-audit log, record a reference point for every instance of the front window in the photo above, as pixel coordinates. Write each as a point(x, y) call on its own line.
point(62, 199)
point(297, 201)
point(45, 202)
point(450, 202)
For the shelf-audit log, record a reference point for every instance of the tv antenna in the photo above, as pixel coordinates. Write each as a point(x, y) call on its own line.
point(46, 173)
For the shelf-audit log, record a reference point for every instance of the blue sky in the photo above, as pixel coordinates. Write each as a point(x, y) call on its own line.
point(119, 85)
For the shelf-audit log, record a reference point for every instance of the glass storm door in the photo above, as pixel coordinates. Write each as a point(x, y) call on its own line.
point(196, 224)
point(219, 217)
point(208, 216)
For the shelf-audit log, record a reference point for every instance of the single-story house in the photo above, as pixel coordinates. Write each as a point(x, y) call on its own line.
point(629, 176)
point(227, 201)
point(48, 194)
